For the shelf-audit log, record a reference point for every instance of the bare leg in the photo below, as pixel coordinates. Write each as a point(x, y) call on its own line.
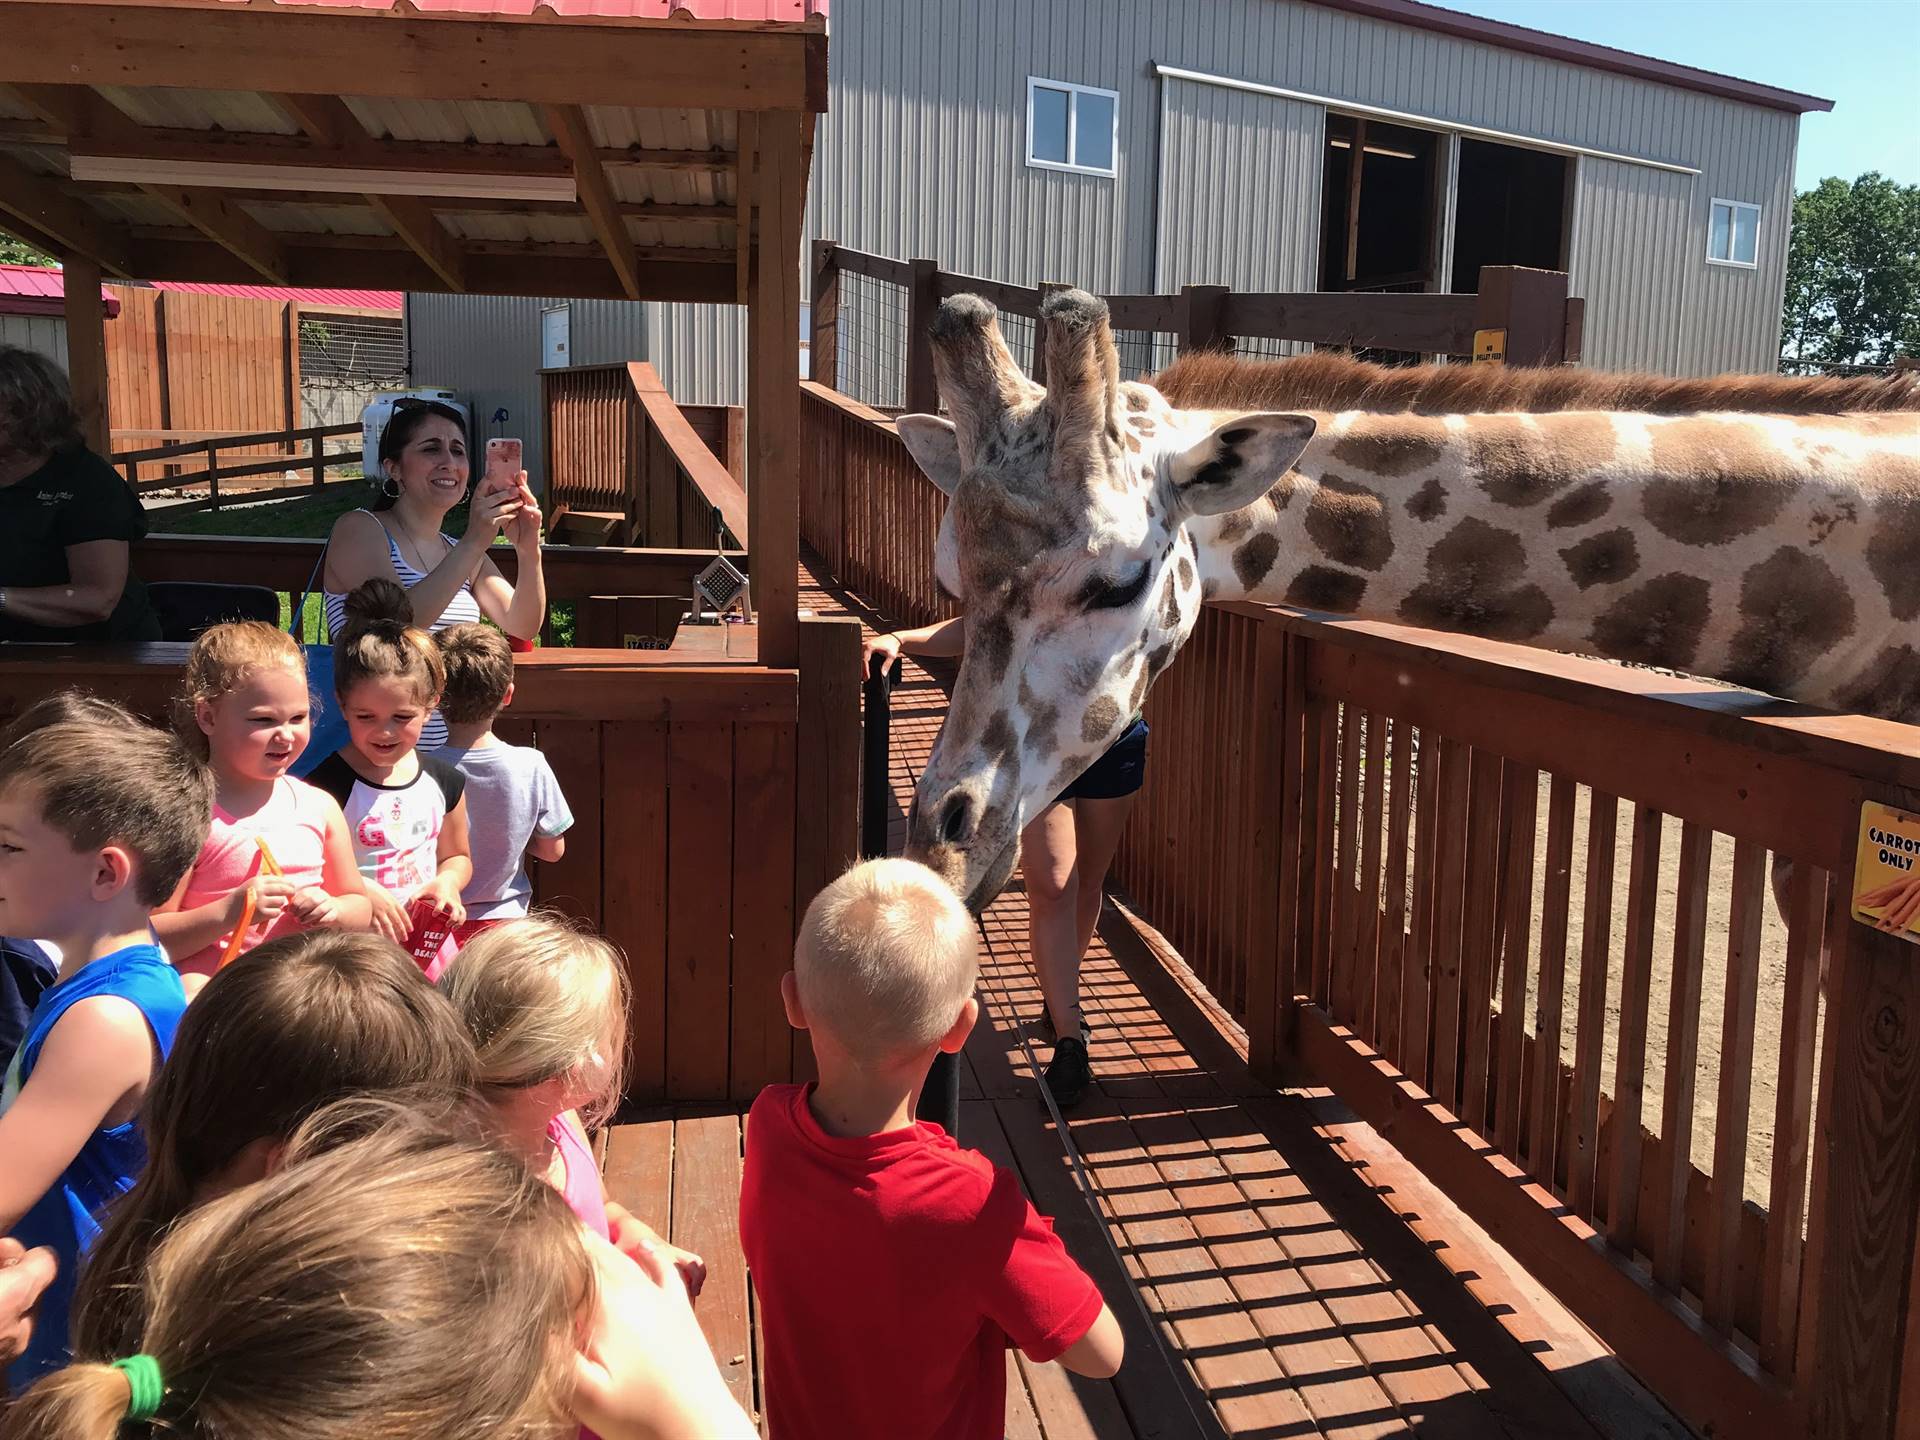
point(1047, 864)
point(1096, 830)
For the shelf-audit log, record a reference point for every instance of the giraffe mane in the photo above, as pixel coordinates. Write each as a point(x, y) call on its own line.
point(1328, 380)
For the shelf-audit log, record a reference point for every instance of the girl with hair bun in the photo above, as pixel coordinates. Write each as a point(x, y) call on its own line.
point(405, 811)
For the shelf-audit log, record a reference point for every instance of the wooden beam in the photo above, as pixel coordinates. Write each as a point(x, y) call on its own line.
point(36, 200)
point(325, 117)
point(87, 351)
point(743, 183)
point(183, 256)
point(773, 368)
point(659, 211)
point(225, 223)
point(418, 56)
point(569, 126)
point(1356, 163)
point(395, 244)
point(413, 221)
point(62, 109)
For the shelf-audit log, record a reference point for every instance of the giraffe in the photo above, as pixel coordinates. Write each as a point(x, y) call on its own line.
point(1088, 521)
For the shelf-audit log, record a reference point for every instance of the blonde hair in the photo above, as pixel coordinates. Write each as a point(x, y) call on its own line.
point(887, 955)
point(379, 642)
point(539, 997)
point(410, 1281)
point(220, 662)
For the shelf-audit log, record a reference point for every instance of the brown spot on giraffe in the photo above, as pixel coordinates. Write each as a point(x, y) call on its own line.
point(1893, 550)
point(1100, 718)
point(1139, 689)
point(992, 642)
point(1580, 506)
point(1185, 571)
point(1603, 559)
point(1657, 623)
point(1392, 445)
point(1795, 609)
point(1321, 587)
point(1888, 687)
point(999, 741)
point(1253, 560)
point(1429, 502)
point(1714, 481)
point(1170, 599)
point(1349, 523)
point(1043, 721)
point(1475, 583)
point(1236, 525)
point(1521, 462)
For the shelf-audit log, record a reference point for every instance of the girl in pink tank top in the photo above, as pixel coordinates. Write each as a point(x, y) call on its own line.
point(277, 858)
point(546, 1004)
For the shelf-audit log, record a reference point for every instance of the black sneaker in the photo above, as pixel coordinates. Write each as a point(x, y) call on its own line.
point(1069, 1073)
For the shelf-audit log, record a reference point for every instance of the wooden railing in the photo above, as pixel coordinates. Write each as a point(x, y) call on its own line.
point(617, 443)
point(1512, 907)
point(299, 450)
point(1526, 316)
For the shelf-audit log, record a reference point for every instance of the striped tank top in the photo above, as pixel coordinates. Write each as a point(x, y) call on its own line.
point(463, 609)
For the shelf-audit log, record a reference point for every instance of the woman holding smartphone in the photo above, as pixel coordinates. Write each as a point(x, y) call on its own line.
point(423, 454)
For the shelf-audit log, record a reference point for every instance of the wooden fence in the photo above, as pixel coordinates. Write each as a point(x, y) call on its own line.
point(303, 454)
point(1512, 908)
point(1524, 316)
point(617, 444)
point(212, 364)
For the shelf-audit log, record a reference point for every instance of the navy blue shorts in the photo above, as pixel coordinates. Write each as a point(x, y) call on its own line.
point(1121, 771)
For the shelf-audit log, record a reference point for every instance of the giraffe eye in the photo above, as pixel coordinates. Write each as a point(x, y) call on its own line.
point(1100, 593)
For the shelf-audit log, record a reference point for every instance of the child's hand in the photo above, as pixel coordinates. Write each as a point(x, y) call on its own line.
point(24, 1274)
point(644, 1368)
point(444, 895)
point(630, 1234)
point(390, 917)
point(272, 894)
point(316, 909)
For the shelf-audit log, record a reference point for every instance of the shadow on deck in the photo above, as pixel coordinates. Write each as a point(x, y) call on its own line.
point(1294, 1277)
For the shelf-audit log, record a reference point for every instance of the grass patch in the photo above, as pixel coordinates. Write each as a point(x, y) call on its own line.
point(305, 517)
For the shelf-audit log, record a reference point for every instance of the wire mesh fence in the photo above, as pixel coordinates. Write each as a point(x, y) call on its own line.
point(1144, 353)
point(871, 340)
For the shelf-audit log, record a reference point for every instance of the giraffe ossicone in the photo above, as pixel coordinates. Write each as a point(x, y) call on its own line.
point(1088, 521)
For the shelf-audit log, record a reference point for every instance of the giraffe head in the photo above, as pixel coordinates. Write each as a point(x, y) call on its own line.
point(1066, 541)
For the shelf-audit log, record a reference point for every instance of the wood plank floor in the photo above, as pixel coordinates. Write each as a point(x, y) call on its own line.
point(1279, 1270)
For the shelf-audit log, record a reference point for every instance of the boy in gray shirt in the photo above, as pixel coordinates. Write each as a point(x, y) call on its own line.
point(514, 805)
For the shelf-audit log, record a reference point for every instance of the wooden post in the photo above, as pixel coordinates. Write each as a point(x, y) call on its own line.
point(87, 351)
point(289, 363)
point(773, 397)
point(922, 394)
point(213, 475)
point(319, 459)
point(1859, 1354)
point(1202, 310)
point(1530, 306)
point(1355, 166)
point(823, 350)
point(1576, 330)
point(1046, 288)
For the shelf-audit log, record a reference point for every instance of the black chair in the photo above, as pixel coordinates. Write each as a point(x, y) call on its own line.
point(189, 608)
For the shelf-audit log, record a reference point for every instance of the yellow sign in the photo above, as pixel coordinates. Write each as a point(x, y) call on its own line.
point(1886, 871)
point(1489, 347)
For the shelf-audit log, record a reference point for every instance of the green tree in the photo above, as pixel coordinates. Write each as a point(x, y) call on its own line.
point(17, 252)
point(1853, 273)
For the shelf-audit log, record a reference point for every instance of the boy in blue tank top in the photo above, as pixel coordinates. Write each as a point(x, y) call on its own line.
point(100, 819)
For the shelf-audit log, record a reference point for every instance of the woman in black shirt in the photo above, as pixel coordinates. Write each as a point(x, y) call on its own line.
point(67, 519)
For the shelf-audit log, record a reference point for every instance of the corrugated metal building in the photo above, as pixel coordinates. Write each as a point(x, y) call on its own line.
point(1138, 145)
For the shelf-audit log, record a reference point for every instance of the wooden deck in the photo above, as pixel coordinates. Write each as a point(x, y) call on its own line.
point(1293, 1276)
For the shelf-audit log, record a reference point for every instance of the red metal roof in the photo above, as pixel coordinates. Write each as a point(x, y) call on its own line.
point(40, 290)
point(318, 299)
point(755, 10)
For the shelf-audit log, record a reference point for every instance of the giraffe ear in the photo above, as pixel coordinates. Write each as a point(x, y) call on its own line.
point(935, 447)
point(1239, 462)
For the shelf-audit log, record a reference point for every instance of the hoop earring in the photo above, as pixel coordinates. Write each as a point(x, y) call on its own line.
point(390, 488)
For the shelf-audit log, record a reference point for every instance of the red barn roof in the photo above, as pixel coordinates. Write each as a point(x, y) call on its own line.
point(761, 11)
point(317, 299)
point(39, 290)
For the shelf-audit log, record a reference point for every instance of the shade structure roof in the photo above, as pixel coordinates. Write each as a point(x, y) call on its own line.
point(593, 148)
point(38, 290)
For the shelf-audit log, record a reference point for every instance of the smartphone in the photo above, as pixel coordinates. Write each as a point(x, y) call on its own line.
point(503, 465)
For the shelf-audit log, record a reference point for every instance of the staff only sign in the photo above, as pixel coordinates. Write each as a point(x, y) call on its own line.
point(1886, 872)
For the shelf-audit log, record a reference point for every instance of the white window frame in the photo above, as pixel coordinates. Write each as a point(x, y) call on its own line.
point(1733, 205)
point(1037, 82)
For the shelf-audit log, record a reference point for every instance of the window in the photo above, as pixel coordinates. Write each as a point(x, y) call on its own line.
point(1072, 127)
point(1733, 233)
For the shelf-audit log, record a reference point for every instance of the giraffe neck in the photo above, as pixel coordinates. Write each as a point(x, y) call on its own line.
point(1749, 549)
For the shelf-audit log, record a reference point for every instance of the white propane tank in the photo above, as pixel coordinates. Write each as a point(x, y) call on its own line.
point(374, 419)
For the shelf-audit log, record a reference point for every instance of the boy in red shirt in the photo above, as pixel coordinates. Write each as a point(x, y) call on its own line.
point(893, 1267)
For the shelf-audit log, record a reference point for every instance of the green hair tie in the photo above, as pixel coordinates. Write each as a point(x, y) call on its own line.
point(145, 1387)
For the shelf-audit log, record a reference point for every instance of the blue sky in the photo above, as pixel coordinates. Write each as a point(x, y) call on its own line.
point(1864, 55)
